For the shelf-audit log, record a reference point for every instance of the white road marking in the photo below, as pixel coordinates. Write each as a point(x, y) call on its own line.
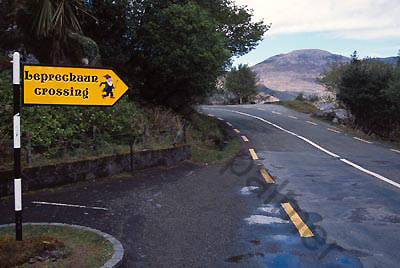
point(334, 130)
point(376, 175)
point(396, 151)
point(66, 205)
point(275, 112)
point(210, 115)
point(356, 138)
point(320, 148)
point(229, 124)
point(287, 131)
point(260, 109)
point(312, 123)
point(294, 117)
point(219, 118)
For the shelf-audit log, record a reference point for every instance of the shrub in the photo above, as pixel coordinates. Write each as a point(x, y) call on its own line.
point(301, 97)
point(364, 90)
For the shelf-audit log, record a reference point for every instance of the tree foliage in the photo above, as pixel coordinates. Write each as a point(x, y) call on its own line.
point(56, 128)
point(242, 82)
point(182, 57)
point(369, 89)
point(330, 79)
point(172, 51)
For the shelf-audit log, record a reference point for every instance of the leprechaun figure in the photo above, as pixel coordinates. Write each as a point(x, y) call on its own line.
point(109, 86)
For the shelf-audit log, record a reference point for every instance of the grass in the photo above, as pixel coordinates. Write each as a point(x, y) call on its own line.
point(299, 106)
point(202, 154)
point(84, 249)
point(210, 141)
point(14, 253)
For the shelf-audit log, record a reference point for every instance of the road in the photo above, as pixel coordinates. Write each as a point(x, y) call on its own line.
point(349, 188)
point(304, 196)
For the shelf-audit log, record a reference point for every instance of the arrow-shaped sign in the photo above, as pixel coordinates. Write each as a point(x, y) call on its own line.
point(61, 85)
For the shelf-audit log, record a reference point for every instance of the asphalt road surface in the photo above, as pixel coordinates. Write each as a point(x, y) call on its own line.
point(334, 201)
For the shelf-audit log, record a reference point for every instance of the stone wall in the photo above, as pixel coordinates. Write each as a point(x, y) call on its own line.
point(55, 175)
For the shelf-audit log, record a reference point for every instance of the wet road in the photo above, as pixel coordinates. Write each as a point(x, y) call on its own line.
point(348, 189)
point(231, 215)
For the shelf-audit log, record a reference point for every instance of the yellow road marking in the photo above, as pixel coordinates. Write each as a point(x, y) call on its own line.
point(275, 112)
point(312, 123)
point(245, 139)
point(236, 130)
point(229, 124)
point(303, 229)
point(219, 118)
point(334, 130)
point(356, 138)
point(291, 116)
point(253, 154)
point(396, 151)
point(266, 176)
point(210, 115)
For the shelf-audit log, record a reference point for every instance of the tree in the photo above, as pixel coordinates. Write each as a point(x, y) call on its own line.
point(165, 62)
point(50, 29)
point(392, 93)
point(363, 90)
point(242, 82)
point(235, 22)
point(181, 57)
point(55, 21)
point(331, 78)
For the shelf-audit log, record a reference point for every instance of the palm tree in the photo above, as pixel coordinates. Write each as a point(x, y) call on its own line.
point(55, 21)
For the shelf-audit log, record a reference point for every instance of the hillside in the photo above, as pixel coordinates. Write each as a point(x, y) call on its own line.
point(296, 71)
point(286, 75)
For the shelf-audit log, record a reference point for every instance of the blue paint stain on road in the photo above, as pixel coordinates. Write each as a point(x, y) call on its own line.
point(281, 260)
point(343, 263)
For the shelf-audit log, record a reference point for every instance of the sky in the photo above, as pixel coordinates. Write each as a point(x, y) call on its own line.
point(372, 27)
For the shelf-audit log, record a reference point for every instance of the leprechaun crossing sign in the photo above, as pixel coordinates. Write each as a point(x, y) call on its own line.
point(56, 85)
point(61, 85)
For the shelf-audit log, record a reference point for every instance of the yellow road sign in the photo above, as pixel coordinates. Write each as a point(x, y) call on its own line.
point(60, 85)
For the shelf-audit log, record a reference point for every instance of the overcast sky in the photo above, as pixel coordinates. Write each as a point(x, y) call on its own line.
point(372, 27)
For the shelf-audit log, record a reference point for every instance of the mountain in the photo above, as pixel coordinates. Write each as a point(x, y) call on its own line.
point(296, 71)
point(281, 95)
point(391, 60)
point(286, 75)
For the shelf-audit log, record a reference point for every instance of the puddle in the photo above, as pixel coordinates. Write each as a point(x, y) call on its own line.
point(283, 260)
point(261, 219)
point(344, 263)
point(248, 190)
point(285, 239)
